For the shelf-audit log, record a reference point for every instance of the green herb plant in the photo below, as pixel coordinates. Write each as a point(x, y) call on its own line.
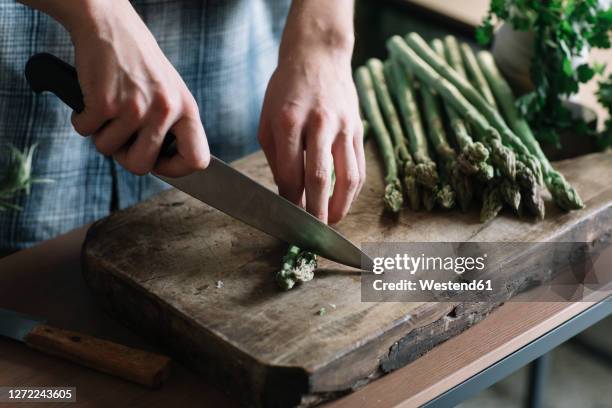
point(18, 178)
point(562, 30)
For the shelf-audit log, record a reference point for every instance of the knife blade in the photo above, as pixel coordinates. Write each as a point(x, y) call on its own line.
point(142, 367)
point(220, 185)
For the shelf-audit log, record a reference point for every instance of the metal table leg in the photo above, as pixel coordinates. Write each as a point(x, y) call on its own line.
point(538, 376)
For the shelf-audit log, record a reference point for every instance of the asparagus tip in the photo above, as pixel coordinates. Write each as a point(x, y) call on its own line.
point(491, 204)
point(393, 198)
point(445, 196)
point(511, 194)
point(427, 174)
point(564, 195)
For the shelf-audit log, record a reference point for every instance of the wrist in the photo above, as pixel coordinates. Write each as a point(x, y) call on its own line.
point(338, 45)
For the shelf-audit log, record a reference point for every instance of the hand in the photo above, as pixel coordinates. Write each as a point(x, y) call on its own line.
point(311, 107)
point(130, 88)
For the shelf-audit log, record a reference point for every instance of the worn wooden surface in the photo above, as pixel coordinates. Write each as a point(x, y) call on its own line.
point(155, 267)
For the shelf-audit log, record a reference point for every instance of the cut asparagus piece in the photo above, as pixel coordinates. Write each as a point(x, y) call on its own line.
point(562, 192)
point(475, 74)
point(393, 198)
point(426, 172)
point(407, 166)
point(502, 157)
point(463, 85)
point(298, 266)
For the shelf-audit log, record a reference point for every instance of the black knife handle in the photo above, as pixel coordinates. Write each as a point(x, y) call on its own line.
point(46, 72)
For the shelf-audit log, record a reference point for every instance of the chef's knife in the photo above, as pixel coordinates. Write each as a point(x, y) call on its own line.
point(135, 365)
point(219, 186)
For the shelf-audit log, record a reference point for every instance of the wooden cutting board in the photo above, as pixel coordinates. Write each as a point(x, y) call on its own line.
point(155, 267)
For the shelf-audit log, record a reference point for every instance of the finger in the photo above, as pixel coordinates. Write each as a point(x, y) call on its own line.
point(289, 157)
point(192, 149)
point(318, 170)
point(93, 117)
point(264, 135)
point(140, 157)
point(116, 133)
point(360, 156)
point(347, 177)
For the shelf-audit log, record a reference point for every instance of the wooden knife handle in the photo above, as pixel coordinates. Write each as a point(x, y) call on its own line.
point(135, 365)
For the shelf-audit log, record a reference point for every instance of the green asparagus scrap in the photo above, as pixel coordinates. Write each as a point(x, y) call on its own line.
point(562, 192)
point(393, 198)
point(492, 202)
point(404, 159)
point(502, 157)
point(19, 177)
point(426, 172)
point(476, 75)
point(465, 87)
point(298, 266)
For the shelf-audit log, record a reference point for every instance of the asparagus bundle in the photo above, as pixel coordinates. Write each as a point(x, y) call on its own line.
point(489, 112)
point(393, 198)
point(502, 157)
point(426, 171)
point(407, 167)
point(562, 192)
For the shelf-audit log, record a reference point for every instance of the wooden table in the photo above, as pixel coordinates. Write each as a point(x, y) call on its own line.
point(46, 281)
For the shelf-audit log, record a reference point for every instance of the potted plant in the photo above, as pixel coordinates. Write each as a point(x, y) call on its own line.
point(542, 47)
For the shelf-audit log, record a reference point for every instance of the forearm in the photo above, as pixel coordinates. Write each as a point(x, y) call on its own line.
point(322, 24)
point(71, 14)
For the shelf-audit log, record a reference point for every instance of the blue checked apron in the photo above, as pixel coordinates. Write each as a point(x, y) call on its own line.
point(224, 50)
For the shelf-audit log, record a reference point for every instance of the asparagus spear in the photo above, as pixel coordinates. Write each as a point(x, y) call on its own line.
point(452, 54)
point(298, 266)
point(446, 154)
point(563, 193)
point(476, 75)
point(393, 198)
point(491, 203)
point(490, 113)
point(510, 192)
point(502, 157)
point(530, 191)
point(426, 172)
point(404, 159)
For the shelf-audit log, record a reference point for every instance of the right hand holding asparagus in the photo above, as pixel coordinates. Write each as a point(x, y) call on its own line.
point(130, 88)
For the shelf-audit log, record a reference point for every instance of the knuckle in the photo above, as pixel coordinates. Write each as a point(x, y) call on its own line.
point(318, 177)
point(320, 116)
point(107, 107)
point(162, 104)
point(352, 181)
point(288, 119)
point(135, 108)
